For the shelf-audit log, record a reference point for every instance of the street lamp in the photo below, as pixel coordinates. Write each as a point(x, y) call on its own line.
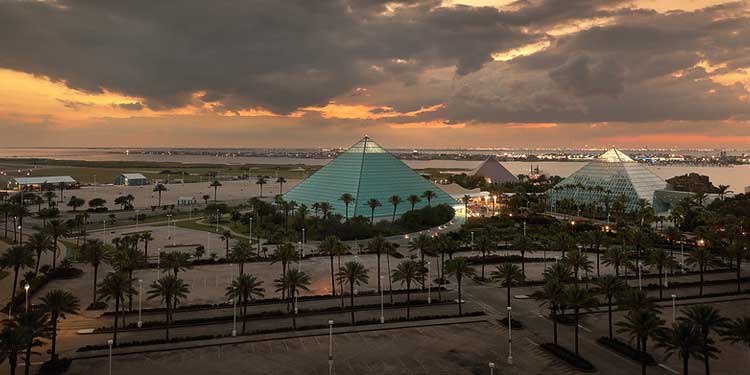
point(26, 287)
point(217, 221)
point(674, 307)
point(110, 342)
point(429, 285)
point(104, 222)
point(510, 337)
point(382, 316)
point(682, 257)
point(492, 368)
point(140, 297)
point(330, 347)
point(234, 318)
point(640, 267)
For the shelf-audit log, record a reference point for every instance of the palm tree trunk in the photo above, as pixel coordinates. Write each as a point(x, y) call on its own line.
point(378, 255)
point(13, 362)
point(390, 281)
point(643, 355)
point(38, 259)
point(609, 315)
point(661, 283)
point(351, 298)
point(15, 282)
point(244, 316)
point(554, 324)
point(27, 361)
point(408, 300)
point(96, 270)
point(508, 298)
point(54, 336)
point(54, 252)
point(294, 316)
point(460, 308)
point(685, 362)
point(283, 290)
point(739, 272)
point(341, 283)
point(117, 315)
point(333, 282)
point(576, 333)
point(701, 287)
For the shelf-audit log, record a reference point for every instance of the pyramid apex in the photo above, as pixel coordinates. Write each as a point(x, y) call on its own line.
point(614, 155)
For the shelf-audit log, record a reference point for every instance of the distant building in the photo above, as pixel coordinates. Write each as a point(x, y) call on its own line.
point(494, 172)
point(131, 179)
point(692, 182)
point(186, 201)
point(45, 182)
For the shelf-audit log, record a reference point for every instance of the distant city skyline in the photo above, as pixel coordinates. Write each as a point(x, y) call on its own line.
point(410, 73)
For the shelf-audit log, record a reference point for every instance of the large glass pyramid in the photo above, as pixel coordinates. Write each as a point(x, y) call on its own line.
point(366, 171)
point(605, 179)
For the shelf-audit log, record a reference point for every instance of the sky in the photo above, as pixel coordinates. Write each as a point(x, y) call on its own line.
point(409, 73)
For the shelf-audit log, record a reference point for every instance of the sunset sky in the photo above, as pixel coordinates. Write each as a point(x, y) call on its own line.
point(411, 73)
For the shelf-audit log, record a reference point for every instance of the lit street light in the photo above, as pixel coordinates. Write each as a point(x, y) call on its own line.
point(492, 368)
point(110, 342)
point(640, 283)
point(382, 316)
point(510, 337)
point(26, 287)
point(674, 307)
point(234, 318)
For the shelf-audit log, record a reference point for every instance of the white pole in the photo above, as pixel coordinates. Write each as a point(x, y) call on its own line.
point(140, 296)
point(217, 221)
point(26, 287)
point(429, 285)
point(510, 337)
point(382, 316)
point(492, 368)
point(674, 307)
point(234, 318)
point(110, 342)
point(682, 257)
point(330, 347)
point(105, 231)
point(640, 284)
point(158, 259)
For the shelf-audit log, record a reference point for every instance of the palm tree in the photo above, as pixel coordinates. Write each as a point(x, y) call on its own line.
point(316, 207)
point(16, 258)
point(523, 245)
point(215, 184)
point(378, 245)
point(126, 259)
point(459, 268)
point(293, 281)
point(57, 303)
point(683, 338)
point(429, 194)
point(660, 259)
point(551, 295)
point(701, 257)
point(395, 201)
point(708, 320)
point(12, 343)
point(243, 289)
point(641, 325)
point(738, 331)
point(508, 274)
point(373, 204)
point(281, 181)
point(421, 244)
point(331, 246)
point(466, 199)
point(738, 251)
point(352, 273)
point(413, 199)
point(159, 188)
point(578, 298)
point(405, 273)
point(285, 253)
point(169, 289)
point(242, 252)
point(93, 252)
point(485, 244)
point(6, 209)
point(115, 286)
point(347, 199)
point(226, 236)
point(146, 238)
point(56, 229)
point(174, 261)
point(578, 261)
point(616, 257)
point(260, 181)
point(34, 325)
point(609, 287)
point(40, 243)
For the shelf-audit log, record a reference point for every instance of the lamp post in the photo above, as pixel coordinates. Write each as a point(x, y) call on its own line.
point(217, 221)
point(26, 288)
point(330, 347)
point(110, 342)
point(382, 316)
point(640, 283)
point(104, 222)
point(674, 307)
point(234, 317)
point(682, 257)
point(140, 297)
point(429, 285)
point(158, 259)
point(510, 337)
point(492, 368)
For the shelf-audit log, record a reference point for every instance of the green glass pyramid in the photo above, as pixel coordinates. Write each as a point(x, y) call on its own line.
point(366, 171)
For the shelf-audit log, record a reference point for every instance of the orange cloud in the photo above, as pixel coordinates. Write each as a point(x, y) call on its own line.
point(531, 126)
point(365, 112)
point(427, 125)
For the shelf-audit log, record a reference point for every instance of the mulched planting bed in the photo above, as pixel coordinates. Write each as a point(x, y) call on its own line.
point(626, 350)
point(569, 357)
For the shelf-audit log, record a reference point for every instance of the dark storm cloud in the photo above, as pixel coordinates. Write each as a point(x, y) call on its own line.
point(135, 106)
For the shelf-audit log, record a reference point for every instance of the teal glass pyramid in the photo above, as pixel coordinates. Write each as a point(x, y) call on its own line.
point(366, 171)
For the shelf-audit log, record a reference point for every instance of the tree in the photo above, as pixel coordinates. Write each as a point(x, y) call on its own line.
point(421, 244)
point(708, 320)
point(352, 273)
point(578, 298)
point(146, 238)
point(508, 274)
point(293, 281)
point(126, 258)
point(40, 243)
point(94, 252)
point(373, 204)
point(701, 257)
point(551, 295)
point(616, 257)
point(325, 209)
point(16, 258)
point(331, 246)
point(429, 194)
point(115, 286)
point(660, 259)
point(395, 201)
point(523, 245)
point(485, 244)
point(12, 344)
point(6, 209)
point(243, 289)
point(459, 268)
point(56, 229)
point(57, 303)
point(378, 246)
point(159, 188)
point(260, 181)
point(405, 273)
point(578, 261)
point(683, 338)
point(174, 261)
point(205, 198)
point(413, 199)
point(738, 251)
point(226, 236)
point(285, 253)
point(33, 325)
point(97, 202)
point(466, 199)
point(641, 325)
point(50, 197)
point(281, 181)
point(75, 202)
point(215, 184)
point(169, 289)
point(242, 252)
point(347, 199)
point(609, 287)
point(738, 331)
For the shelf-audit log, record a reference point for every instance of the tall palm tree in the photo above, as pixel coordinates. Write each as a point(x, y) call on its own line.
point(683, 338)
point(701, 257)
point(115, 286)
point(57, 303)
point(466, 199)
point(243, 289)
point(260, 181)
point(126, 259)
point(169, 289)
point(285, 253)
point(413, 200)
point(738, 251)
point(215, 184)
point(485, 244)
point(708, 320)
point(578, 298)
point(325, 209)
point(293, 281)
point(395, 201)
point(146, 238)
point(316, 207)
point(378, 246)
point(578, 261)
point(6, 209)
point(459, 268)
point(174, 261)
point(738, 331)
point(34, 326)
point(347, 199)
point(523, 245)
point(552, 296)
point(281, 181)
point(641, 325)
point(429, 194)
point(331, 246)
point(352, 273)
point(226, 236)
point(50, 197)
point(609, 287)
point(616, 257)
point(56, 229)
point(16, 258)
point(406, 272)
point(242, 252)
point(421, 245)
point(373, 204)
point(12, 343)
point(660, 259)
point(508, 274)
point(159, 188)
